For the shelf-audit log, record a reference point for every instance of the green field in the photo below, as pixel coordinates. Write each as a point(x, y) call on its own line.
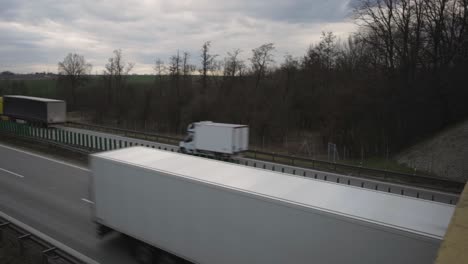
point(49, 87)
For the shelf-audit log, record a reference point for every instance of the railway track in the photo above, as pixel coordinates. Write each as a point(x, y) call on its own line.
point(91, 138)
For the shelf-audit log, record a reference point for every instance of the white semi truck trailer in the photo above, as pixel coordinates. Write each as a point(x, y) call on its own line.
point(215, 139)
point(188, 208)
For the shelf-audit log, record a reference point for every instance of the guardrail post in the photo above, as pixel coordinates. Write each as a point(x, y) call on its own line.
point(45, 258)
point(21, 244)
point(1, 230)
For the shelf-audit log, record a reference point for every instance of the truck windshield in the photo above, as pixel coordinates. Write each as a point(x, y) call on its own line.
point(189, 138)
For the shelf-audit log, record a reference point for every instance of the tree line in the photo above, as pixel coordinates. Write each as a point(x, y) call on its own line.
point(399, 78)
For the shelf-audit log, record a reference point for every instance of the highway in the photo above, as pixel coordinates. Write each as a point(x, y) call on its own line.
point(53, 197)
point(99, 141)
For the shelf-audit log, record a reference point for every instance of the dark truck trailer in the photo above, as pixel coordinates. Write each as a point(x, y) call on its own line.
point(35, 109)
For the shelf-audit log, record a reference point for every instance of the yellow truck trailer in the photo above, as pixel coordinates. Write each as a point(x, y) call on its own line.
point(1, 110)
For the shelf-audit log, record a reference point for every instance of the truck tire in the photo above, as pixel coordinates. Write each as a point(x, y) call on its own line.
point(144, 254)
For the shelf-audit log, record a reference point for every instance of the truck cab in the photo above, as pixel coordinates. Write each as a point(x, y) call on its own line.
point(187, 145)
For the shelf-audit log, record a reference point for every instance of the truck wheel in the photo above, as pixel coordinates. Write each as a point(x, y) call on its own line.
point(144, 254)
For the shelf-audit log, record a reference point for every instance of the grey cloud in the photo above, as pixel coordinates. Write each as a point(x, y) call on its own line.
point(44, 31)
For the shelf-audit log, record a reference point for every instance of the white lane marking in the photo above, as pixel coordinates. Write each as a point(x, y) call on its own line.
point(46, 158)
point(87, 201)
point(10, 172)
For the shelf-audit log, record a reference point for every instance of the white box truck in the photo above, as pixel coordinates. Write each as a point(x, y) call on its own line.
point(211, 212)
point(216, 139)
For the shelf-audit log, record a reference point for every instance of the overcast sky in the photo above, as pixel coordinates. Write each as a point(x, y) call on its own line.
point(36, 34)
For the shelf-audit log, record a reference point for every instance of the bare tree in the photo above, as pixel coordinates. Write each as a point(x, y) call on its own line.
point(262, 58)
point(232, 63)
point(175, 65)
point(160, 70)
point(290, 68)
point(116, 74)
point(207, 63)
point(159, 67)
point(377, 16)
point(187, 68)
point(75, 71)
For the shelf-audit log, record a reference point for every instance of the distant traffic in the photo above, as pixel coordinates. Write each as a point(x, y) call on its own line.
point(34, 110)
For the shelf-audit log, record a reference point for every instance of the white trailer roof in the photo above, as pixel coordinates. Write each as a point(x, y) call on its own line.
point(48, 100)
point(413, 215)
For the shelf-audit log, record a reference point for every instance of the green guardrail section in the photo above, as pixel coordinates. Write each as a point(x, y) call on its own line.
point(69, 138)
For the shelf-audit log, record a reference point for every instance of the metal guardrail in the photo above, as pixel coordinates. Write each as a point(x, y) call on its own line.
point(128, 133)
point(88, 141)
point(393, 187)
point(31, 245)
point(423, 181)
point(359, 171)
point(77, 141)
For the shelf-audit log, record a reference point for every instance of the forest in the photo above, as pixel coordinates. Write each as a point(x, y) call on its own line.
point(398, 79)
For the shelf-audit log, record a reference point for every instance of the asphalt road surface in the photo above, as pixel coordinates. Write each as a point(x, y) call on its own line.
point(53, 197)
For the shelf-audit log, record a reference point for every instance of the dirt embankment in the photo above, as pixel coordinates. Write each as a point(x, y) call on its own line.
point(445, 154)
